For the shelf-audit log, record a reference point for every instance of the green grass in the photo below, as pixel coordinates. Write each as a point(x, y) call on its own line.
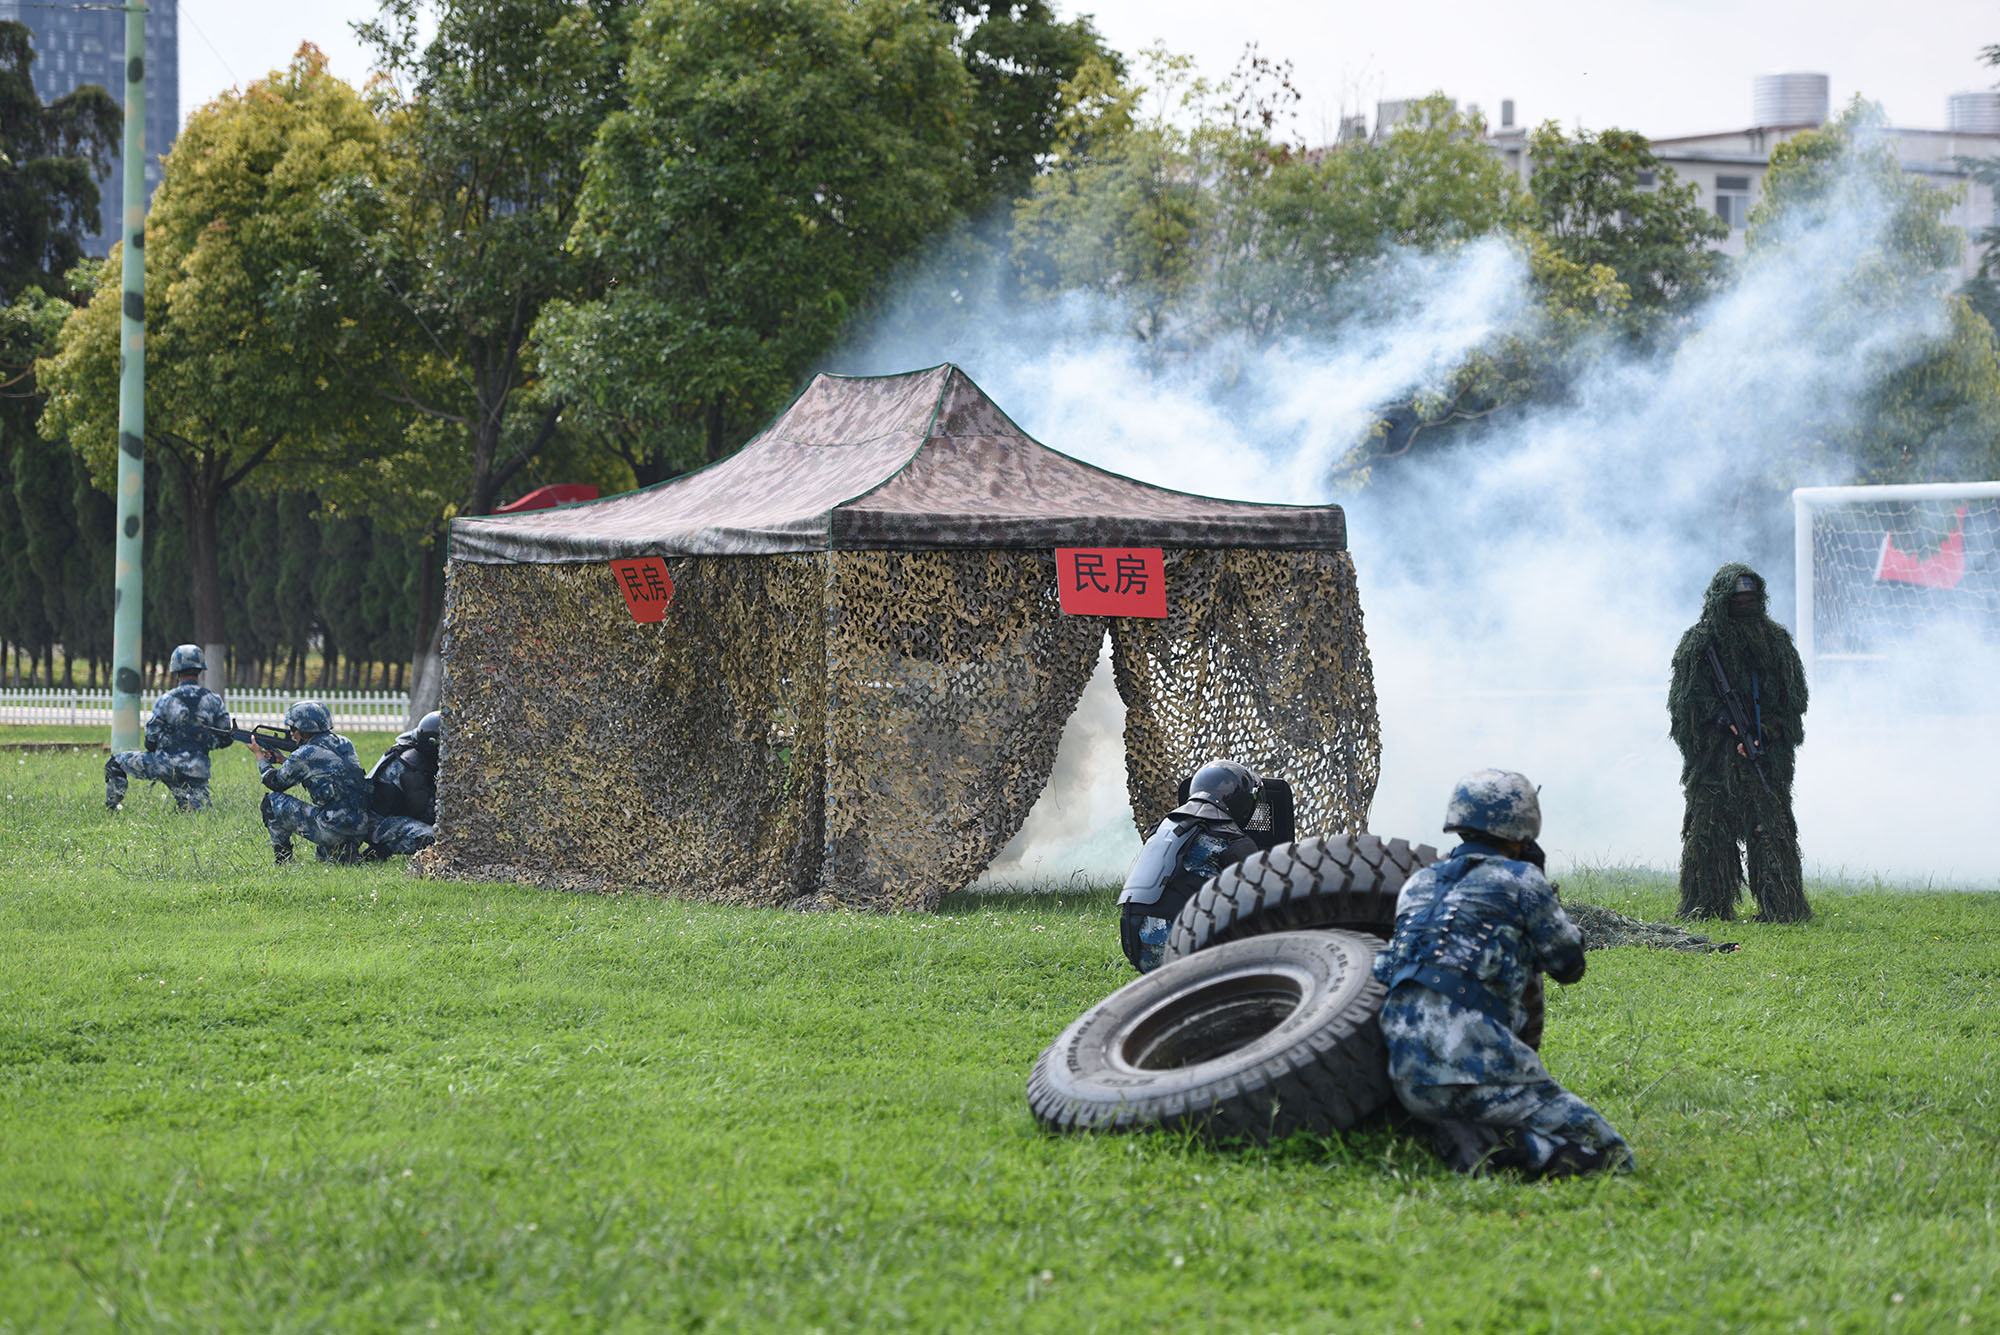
point(238, 1098)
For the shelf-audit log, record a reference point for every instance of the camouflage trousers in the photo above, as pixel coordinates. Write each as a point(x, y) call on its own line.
point(335, 835)
point(1545, 1118)
point(401, 835)
point(186, 777)
point(1143, 938)
point(1712, 868)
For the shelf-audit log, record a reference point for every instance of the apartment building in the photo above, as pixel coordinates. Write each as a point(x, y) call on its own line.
point(1728, 166)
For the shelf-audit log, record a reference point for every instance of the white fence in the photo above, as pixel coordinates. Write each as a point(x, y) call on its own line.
point(353, 711)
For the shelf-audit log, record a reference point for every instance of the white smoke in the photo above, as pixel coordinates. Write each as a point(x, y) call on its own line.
point(1522, 593)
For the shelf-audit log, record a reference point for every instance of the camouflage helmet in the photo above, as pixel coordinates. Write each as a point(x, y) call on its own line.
point(186, 658)
point(309, 717)
point(1219, 787)
point(1498, 802)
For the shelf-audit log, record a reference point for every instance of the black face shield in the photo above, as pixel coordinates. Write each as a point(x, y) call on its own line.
point(1747, 601)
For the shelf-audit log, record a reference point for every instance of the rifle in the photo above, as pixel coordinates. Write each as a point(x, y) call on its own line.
point(1737, 719)
point(267, 735)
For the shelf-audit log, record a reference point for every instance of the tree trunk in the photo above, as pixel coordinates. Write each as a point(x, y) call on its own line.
point(716, 440)
point(202, 488)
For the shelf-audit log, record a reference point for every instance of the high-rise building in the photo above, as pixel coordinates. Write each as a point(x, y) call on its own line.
point(76, 46)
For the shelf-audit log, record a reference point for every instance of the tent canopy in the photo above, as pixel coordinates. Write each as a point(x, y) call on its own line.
point(911, 462)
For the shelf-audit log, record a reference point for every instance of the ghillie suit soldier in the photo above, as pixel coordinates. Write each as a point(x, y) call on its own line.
point(337, 819)
point(1737, 707)
point(1471, 932)
point(186, 724)
point(1193, 844)
point(404, 791)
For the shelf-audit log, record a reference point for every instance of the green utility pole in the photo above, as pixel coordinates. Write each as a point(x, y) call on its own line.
point(128, 602)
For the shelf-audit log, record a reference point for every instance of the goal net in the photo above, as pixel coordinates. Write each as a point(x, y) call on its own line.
point(1897, 574)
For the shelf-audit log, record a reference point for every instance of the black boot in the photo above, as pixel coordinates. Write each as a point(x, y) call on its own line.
point(1467, 1147)
point(281, 854)
point(1569, 1160)
point(1477, 1149)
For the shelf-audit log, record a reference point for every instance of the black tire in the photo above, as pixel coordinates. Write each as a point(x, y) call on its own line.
point(1348, 882)
point(1343, 881)
point(1255, 1039)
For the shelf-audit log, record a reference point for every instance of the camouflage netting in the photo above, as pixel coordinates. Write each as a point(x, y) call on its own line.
point(952, 674)
point(1262, 659)
point(874, 740)
point(588, 750)
point(857, 692)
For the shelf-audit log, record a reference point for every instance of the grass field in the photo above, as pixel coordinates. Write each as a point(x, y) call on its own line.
point(240, 1098)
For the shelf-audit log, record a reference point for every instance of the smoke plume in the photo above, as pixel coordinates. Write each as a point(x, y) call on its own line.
point(1523, 592)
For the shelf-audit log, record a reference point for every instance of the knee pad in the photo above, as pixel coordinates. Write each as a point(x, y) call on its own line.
point(267, 808)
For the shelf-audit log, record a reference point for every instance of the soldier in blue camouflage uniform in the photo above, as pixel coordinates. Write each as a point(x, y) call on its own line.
point(337, 819)
point(1470, 933)
point(186, 724)
point(1192, 846)
point(404, 791)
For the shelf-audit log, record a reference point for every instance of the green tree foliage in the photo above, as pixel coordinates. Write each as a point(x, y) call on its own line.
point(491, 118)
point(50, 157)
point(1176, 199)
point(1019, 57)
point(1126, 207)
point(244, 353)
point(28, 328)
point(1983, 288)
point(1928, 415)
point(1605, 199)
point(1296, 231)
point(776, 160)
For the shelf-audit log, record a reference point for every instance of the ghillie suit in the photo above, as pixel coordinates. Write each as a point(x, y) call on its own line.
point(1727, 801)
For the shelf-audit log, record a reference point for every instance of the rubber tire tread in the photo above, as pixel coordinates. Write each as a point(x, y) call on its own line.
point(1347, 882)
point(1325, 1080)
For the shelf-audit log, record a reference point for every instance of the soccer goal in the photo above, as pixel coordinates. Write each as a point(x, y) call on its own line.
point(1897, 571)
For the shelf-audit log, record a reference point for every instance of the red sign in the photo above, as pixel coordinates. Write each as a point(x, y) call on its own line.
point(646, 585)
point(1112, 581)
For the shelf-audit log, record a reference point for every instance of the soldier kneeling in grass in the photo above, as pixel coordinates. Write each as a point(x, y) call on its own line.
point(1470, 933)
point(337, 819)
point(186, 724)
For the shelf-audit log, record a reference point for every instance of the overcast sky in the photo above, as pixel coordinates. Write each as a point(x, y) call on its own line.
point(1663, 67)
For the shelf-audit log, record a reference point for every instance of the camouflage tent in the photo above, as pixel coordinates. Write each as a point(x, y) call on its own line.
point(858, 684)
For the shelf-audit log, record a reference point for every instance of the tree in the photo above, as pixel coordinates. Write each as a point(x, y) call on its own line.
point(1590, 200)
point(1929, 411)
point(491, 118)
point(1019, 58)
point(1125, 209)
point(243, 350)
point(1982, 290)
point(1298, 231)
point(776, 160)
point(50, 159)
point(28, 329)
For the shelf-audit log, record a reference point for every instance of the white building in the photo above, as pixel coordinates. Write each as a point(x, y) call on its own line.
point(1728, 166)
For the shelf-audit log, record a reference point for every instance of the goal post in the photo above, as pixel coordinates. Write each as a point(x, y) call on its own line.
point(1892, 571)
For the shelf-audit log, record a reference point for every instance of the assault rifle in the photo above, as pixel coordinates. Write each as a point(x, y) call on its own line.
point(267, 735)
point(1738, 721)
